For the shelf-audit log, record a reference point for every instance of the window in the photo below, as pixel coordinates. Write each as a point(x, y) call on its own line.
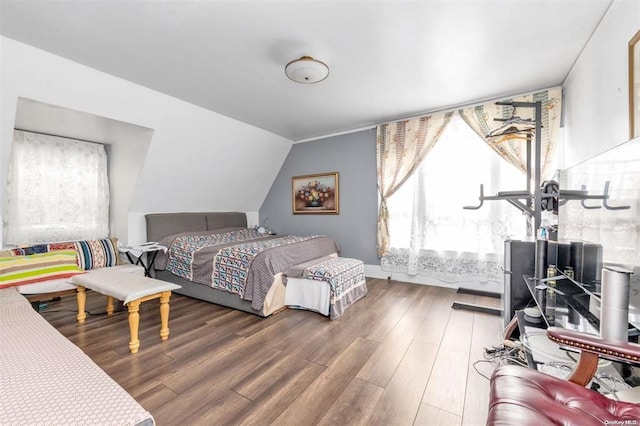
point(57, 190)
point(430, 232)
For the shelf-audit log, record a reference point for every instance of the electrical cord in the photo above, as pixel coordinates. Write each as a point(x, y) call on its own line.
point(512, 352)
point(500, 355)
point(601, 379)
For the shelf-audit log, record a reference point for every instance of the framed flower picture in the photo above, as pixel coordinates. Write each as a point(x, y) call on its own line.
point(315, 194)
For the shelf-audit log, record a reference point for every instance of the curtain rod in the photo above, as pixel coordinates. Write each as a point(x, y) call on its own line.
point(473, 104)
point(58, 136)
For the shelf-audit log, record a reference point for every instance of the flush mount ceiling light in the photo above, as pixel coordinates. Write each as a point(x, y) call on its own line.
point(306, 70)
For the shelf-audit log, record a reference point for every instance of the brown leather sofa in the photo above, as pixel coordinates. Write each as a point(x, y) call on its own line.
point(522, 396)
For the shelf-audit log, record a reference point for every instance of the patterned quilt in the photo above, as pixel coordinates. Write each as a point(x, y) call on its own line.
point(183, 248)
point(239, 261)
point(346, 280)
point(231, 264)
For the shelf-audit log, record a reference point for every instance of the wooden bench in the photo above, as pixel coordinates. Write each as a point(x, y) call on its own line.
point(132, 290)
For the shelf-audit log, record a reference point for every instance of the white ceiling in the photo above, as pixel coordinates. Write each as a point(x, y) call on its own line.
point(388, 59)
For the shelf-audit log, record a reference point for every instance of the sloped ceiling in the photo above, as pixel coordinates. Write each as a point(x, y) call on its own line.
point(39, 117)
point(388, 59)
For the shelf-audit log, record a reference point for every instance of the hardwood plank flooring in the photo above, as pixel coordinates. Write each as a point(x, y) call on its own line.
point(400, 356)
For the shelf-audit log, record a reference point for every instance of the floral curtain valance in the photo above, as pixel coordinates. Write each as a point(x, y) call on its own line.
point(512, 147)
point(400, 148)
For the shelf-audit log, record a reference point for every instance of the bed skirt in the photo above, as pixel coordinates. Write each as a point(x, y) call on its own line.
point(273, 302)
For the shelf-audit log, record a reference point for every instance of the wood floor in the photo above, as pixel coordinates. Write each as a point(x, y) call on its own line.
point(400, 356)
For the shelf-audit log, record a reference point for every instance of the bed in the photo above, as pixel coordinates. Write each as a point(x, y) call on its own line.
point(216, 258)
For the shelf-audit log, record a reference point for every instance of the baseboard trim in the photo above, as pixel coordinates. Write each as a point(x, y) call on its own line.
point(477, 308)
point(375, 271)
point(474, 292)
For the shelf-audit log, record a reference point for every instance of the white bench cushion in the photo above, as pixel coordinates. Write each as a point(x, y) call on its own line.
point(122, 286)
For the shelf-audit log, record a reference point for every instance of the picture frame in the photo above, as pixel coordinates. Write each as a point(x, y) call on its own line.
point(634, 86)
point(316, 194)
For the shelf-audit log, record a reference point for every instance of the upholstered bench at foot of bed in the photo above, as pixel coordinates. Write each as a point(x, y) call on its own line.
point(328, 286)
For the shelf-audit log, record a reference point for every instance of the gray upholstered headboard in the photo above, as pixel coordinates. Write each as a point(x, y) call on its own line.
point(159, 225)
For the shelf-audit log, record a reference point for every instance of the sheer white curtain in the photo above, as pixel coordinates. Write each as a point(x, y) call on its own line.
point(57, 190)
point(431, 234)
point(400, 148)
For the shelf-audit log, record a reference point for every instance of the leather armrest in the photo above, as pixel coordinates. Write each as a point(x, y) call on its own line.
point(591, 348)
point(606, 348)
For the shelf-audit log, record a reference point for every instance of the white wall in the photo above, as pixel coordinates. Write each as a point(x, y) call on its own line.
point(198, 160)
point(597, 88)
point(126, 161)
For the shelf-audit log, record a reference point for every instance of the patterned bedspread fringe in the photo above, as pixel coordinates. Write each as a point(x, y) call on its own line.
point(346, 281)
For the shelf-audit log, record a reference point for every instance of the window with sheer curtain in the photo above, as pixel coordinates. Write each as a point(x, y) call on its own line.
point(430, 232)
point(57, 190)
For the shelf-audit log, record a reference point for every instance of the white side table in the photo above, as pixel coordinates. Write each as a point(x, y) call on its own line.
point(136, 253)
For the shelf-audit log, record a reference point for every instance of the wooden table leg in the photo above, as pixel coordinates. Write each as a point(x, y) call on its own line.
point(109, 305)
point(82, 301)
point(164, 314)
point(134, 322)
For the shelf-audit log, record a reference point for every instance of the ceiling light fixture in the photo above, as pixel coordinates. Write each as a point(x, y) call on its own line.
point(306, 70)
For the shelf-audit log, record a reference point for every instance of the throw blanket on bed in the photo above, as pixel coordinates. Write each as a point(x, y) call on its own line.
point(181, 251)
point(196, 263)
point(231, 264)
point(346, 280)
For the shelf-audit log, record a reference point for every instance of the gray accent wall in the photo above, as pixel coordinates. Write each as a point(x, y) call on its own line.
point(353, 156)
